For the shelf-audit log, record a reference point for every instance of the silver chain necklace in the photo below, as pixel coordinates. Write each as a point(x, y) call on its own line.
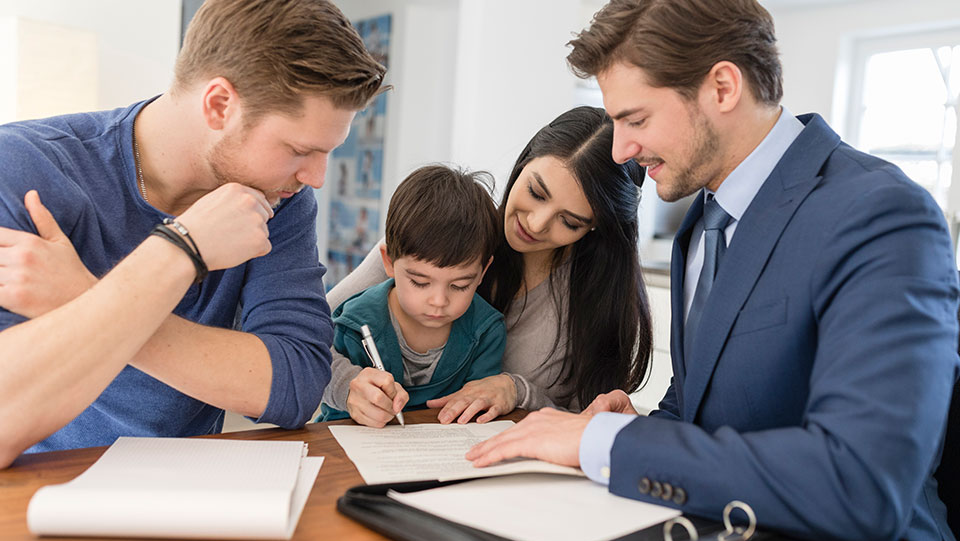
point(136, 159)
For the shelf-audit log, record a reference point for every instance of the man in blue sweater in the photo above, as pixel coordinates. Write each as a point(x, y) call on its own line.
point(111, 324)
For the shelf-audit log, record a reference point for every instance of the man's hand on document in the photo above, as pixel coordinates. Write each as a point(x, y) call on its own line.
point(548, 434)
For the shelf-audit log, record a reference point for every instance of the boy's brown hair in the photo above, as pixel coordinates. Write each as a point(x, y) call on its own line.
point(274, 52)
point(677, 42)
point(444, 216)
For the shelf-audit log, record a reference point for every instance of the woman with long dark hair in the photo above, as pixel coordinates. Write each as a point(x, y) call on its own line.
point(566, 276)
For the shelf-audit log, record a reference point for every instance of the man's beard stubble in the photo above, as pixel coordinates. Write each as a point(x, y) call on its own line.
point(702, 167)
point(222, 159)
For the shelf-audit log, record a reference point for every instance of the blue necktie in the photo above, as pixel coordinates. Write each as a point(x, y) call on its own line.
point(715, 220)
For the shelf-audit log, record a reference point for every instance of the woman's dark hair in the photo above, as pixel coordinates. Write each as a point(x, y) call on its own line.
point(608, 331)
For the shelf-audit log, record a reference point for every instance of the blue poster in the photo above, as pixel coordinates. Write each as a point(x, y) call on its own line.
point(355, 171)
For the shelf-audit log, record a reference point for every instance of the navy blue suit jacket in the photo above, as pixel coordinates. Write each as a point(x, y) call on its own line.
point(819, 381)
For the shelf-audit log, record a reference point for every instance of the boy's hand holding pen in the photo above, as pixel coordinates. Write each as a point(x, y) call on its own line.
point(375, 397)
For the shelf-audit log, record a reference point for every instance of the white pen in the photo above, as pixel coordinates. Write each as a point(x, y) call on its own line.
point(371, 348)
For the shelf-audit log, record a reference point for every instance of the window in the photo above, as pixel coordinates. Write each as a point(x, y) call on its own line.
point(904, 108)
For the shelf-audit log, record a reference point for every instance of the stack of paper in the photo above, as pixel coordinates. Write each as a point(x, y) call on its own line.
point(176, 487)
point(428, 451)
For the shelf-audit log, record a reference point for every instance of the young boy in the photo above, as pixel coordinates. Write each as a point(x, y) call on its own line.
point(433, 332)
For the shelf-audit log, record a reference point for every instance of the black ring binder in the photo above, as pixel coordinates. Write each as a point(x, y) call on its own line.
point(370, 506)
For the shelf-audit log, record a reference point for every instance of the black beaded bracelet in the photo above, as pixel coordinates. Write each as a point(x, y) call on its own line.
point(165, 232)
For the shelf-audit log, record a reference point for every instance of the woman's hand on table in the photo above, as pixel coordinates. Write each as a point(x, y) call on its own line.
point(496, 395)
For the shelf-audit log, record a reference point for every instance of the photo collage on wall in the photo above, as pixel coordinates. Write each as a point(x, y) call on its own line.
point(355, 172)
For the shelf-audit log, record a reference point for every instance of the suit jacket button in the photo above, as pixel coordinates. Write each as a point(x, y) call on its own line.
point(657, 490)
point(667, 492)
point(644, 486)
point(679, 496)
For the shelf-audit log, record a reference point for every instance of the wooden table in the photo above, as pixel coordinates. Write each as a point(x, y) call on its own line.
point(320, 519)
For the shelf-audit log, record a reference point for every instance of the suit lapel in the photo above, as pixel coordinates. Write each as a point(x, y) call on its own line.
point(678, 271)
point(756, 236)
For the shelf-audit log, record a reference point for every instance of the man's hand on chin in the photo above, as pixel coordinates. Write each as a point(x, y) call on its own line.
point(548, 434)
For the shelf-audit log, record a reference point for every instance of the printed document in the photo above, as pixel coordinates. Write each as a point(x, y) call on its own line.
point(182, 487)
point(423, 452)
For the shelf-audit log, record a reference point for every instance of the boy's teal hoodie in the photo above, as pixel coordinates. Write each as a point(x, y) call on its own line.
point(473, 350)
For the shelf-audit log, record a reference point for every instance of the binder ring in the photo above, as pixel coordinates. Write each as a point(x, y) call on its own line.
point(738, 531)
point(683, 521)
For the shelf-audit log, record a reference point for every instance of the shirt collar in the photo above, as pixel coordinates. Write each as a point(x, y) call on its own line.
point(737, 191)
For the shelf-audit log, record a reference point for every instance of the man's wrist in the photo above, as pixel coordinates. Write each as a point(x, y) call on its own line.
point(185, 234)
point(597, 442)
point(174, 260)
point(176, 235)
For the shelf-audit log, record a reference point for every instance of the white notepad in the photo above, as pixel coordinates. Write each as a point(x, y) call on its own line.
point(180, 487)
point(421, 452)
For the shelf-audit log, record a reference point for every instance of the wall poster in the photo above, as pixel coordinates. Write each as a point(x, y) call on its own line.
point(355, 172)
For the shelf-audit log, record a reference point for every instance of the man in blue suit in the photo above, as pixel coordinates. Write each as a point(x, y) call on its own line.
point(814, 296)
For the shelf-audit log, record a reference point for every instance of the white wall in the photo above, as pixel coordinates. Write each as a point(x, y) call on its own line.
point(48, 69)
point(138, 41)
point(511, 77)
point(816, 44)
point(474, 79)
